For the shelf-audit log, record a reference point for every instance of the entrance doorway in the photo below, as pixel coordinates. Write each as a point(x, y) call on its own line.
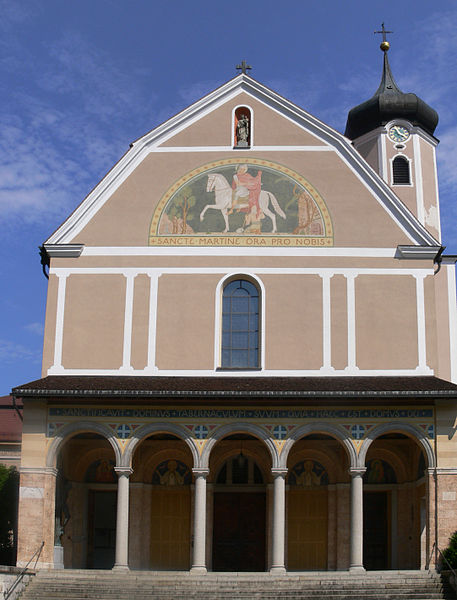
point(102, 529)
point(376, 527)
point(239, 529)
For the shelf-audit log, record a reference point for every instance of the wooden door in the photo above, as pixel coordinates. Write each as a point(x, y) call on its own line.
point(170, 528)
point(307, 530)
point(376, 527)
point(239, 531)
point(101, 529)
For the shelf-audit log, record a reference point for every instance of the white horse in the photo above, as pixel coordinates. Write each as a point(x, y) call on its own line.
point(223, 200)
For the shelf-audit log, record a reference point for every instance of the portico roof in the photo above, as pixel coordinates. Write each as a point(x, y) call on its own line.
point(295, 389)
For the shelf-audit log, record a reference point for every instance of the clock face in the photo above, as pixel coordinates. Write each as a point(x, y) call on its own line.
point(397, 133)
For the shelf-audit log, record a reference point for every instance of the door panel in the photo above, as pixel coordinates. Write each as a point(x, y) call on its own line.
point(376, 527)
point(239, 531)
point(307, 529)
point(102, 529)
point(170, 529)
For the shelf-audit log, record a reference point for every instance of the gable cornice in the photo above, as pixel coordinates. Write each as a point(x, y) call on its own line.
point(140, 148)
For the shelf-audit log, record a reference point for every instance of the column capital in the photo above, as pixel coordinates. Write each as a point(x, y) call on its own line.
point(354, 471)
point(200, 472)
point(39, 470)
point(127, 471)
point(279, 472)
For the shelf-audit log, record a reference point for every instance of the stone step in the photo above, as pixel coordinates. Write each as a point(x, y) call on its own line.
point(134, 585)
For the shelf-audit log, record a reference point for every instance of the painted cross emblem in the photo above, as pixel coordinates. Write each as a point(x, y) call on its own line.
point(201, 432)
point(123, 431)
point(358, 431)
point(280, 432)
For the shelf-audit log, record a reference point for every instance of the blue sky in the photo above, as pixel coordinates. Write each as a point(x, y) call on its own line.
point(82, 79)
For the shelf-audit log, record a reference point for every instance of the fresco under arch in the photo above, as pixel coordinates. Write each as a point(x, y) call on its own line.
point(235, 202)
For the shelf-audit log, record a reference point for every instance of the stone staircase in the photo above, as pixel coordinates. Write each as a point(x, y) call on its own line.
point(137, 585)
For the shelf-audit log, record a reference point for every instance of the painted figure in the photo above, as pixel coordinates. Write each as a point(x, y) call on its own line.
point(308, 478)
point(171, 475)
point(223, 196)
point(246, 185)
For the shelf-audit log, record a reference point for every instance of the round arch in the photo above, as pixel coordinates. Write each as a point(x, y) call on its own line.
point(405, 428)
point(232, 428)
point(310, 428)
point(72, 429)
point(146, 430)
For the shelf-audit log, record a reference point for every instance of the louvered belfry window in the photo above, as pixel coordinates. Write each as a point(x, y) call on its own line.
point(401, 175)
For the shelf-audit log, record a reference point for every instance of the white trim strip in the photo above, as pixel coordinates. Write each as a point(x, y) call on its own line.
point(264, 373)
point(451, 282)
point(350, 283)
point(348, 272)
point(242, 151)
point(421, 333)
point(152, 331)
point(128, 318)
point(231, 251)
point(326, 323)
point(60, 313)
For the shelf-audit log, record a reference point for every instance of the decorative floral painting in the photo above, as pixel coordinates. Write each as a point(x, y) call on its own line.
point(241, 203)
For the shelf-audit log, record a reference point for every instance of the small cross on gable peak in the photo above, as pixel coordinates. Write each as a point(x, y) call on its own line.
point(243, 67)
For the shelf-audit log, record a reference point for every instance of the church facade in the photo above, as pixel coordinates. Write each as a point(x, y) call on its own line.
point(250, 354)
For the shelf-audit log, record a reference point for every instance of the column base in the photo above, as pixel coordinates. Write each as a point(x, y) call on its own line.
point(357, 569)
point(278, 570)
point(121, 568)
point(58, 557)
point(198, 570)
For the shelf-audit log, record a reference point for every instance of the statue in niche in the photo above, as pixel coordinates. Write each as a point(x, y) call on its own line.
point(242, 132)
point(171, 475)
point(308, 477)
point(62, 511)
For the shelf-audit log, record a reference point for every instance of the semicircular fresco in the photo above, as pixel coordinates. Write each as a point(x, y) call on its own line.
point(231, 202)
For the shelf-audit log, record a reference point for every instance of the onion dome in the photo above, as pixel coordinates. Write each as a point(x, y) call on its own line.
point(389, 103)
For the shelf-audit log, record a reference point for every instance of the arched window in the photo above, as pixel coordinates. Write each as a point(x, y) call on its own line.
point(240, 325)
point(400, 169)
point(243, 127)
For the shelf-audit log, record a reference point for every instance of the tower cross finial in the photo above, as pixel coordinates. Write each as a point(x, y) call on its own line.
point(244, 67)
point(384, 44)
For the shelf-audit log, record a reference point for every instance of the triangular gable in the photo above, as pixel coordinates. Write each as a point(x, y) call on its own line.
point(162, 136)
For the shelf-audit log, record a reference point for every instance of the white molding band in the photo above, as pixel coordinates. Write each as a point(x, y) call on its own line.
point(106, 251)
point(64, 250)
point(346, 271)
point(263, 373)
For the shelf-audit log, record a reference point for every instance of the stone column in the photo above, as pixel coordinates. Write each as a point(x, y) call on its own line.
point(199, 553)
point(121, 562)
point(356, 557)
point(279, 521)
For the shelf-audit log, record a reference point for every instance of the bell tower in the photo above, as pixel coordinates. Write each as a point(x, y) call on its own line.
point(393, 131)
